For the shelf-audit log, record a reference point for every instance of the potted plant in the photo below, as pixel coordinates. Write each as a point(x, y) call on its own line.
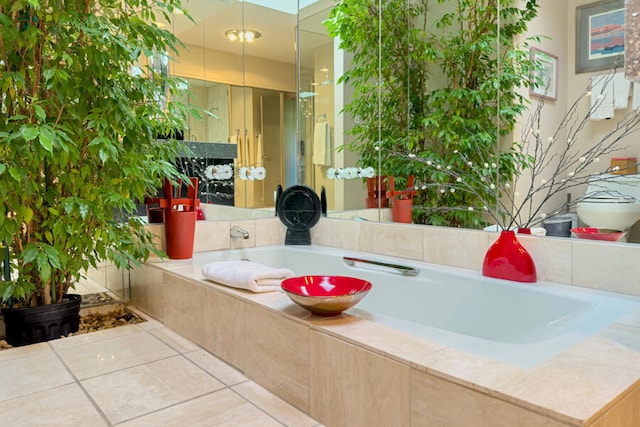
point(401, 200)
point(81, 113)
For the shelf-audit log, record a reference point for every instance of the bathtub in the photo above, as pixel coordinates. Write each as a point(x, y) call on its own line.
point(520, 324)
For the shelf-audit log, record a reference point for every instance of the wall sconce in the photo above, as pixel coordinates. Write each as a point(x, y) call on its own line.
point(242, 35)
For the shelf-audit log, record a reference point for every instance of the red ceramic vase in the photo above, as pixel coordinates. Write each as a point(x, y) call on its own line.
point(508, 259)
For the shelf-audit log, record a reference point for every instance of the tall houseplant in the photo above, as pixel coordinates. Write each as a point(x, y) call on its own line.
point(432, 86)
point(80, 119)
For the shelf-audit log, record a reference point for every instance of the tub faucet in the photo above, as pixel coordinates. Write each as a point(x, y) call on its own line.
point(238, 232)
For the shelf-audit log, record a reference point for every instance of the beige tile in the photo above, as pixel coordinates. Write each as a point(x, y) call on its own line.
point(322, 233)
point(552, 257)
point(608, 266)
point(596, 371)
point(456, 247)
point(79, 340)
point(157, 231)
point(95, 358)
point(470, 370)
point(277, 355)
point(376, 337)
point(66, 405)
point(142, 389)
point(182, 306)
point(30, 369)
point(223, 327)
point(172, 339)
point(401, 240)
point(146, 289)
point(354, 387)
point(626, 335)
point(216, 367)
point(626, 412)
point(345, 233)
point(212, 235)
point(352, 235)
point(364, 242)
point(95, 282)
point(222, 408)
point(250, 227)
point(436, 402)
point(116, 280)
point(273, 405)
point(269, 232)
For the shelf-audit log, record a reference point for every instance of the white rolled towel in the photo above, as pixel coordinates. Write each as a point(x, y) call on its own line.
point(247, 275)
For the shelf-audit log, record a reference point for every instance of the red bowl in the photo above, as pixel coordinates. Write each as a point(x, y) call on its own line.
point(593, 233)
point(326, 295)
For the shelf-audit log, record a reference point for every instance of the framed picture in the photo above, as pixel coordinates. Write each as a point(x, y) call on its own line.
point(545, 78)
point(599, 35)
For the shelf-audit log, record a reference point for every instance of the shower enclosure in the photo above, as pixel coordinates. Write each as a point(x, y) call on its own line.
point(259, 123)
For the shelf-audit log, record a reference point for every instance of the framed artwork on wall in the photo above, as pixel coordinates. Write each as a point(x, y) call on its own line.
point(599, 35)
point(545, 77)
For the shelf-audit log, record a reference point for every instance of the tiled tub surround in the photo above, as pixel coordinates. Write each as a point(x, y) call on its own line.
point(454, 307)
point(391, 378)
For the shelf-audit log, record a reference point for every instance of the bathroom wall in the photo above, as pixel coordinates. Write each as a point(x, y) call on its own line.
point(586, 263)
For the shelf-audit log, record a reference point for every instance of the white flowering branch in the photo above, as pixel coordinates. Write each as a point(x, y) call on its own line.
point(551, 171)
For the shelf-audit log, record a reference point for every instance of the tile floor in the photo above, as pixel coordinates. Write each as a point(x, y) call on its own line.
point(135, 375)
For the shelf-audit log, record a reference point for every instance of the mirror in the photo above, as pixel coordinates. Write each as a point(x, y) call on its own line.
point(565, 28)
point(239, 65)
point(247, 72)
point(248, 95)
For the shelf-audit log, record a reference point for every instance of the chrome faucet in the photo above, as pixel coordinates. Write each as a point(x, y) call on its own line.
point(238, 232)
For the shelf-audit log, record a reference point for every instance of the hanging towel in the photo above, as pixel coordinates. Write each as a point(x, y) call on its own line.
point(322, 144)
point(248, 275)
point(601, 107)
point(235, 139)
point(621, 88)
point(635, 96)
point(259, 151)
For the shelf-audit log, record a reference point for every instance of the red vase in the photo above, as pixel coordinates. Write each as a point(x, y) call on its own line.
point(508, 259)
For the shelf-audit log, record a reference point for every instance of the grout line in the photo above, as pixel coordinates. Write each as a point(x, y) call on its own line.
point(261, 409)
point(82, 388)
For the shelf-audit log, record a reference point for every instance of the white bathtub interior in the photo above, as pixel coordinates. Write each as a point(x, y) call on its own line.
point(520, 324)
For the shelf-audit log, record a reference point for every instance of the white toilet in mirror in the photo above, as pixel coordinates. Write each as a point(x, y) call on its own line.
point(611, 202)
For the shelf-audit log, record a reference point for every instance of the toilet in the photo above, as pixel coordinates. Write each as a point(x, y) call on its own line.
point(611, 202)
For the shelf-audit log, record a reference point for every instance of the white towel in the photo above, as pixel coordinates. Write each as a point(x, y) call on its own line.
point(247, 275)
point(322, 144)
point(635, 97)
point(259, 149)
point(601, 108)
point(621, 88)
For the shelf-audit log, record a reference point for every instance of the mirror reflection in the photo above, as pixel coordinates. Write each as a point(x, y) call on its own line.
point(283, 109)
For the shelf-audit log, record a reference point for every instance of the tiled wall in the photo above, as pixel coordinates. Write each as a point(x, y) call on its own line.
point(592, 264)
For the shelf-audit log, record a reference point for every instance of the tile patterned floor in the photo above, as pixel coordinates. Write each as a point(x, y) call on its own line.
point(134, 375)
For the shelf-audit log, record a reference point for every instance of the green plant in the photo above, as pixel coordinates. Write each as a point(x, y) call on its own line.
point(78, 143)
point(433, 86)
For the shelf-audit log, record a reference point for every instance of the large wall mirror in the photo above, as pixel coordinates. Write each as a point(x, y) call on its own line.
point(277, 99)
point(242, 67)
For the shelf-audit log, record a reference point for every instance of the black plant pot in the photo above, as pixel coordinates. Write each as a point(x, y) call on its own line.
point(30, 325)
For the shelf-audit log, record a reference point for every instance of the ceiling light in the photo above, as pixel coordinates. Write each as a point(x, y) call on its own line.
point(242, 35)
